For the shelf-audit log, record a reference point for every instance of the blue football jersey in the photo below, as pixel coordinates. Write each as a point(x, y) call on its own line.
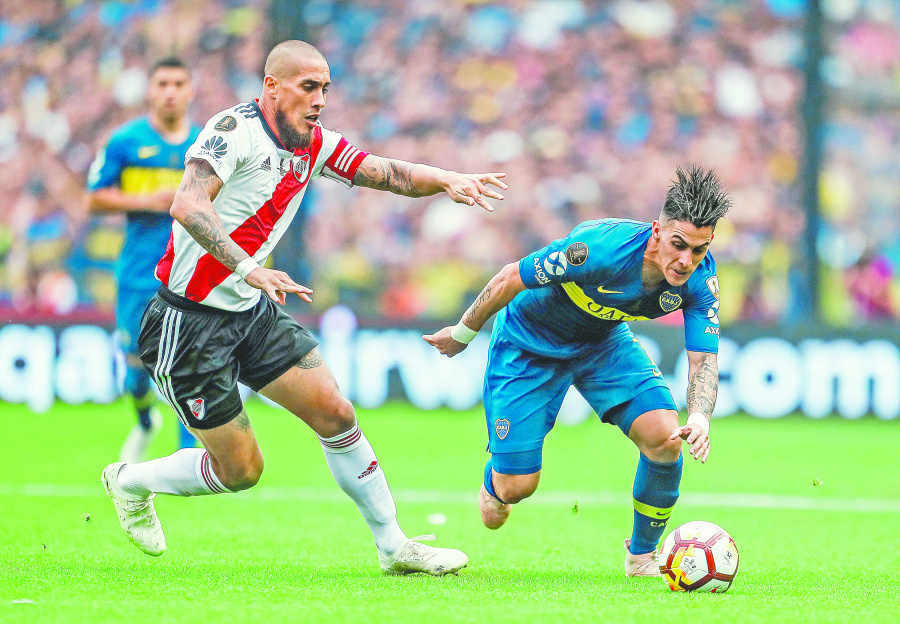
point(581, 286)
point(138, 160)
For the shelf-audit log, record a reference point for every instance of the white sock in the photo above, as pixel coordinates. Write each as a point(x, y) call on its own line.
point(355, 468)
point(187, 472)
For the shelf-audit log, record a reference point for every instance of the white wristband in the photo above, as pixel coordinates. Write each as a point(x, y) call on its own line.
point(698, 419)
point(245, 267)
point(462, 333)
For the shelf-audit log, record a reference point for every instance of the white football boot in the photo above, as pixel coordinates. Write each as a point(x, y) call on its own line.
point(641, 565)
point(416, 557)
point(134, 449)
point(494, 514)
point(136, 514)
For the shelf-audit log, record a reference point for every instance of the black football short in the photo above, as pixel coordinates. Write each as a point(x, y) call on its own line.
point(196, 354)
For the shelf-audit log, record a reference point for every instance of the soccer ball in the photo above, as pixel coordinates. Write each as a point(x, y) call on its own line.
point(699, 556)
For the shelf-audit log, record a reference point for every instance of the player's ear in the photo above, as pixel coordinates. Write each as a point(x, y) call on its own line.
point(270, 85)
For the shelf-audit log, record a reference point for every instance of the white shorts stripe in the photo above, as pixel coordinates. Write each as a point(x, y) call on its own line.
point(168, 341)
point(344, 162)
point(161, 356)
point(160, 353)
point(176, 332)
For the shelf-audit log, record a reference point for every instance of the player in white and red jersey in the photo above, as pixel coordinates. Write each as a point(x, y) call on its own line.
point(209, 325)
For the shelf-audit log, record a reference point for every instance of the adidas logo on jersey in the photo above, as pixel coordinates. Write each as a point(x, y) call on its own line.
point(267, 165)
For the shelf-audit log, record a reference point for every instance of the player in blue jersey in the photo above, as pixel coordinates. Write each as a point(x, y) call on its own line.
point(562, 317)
point(137, 174)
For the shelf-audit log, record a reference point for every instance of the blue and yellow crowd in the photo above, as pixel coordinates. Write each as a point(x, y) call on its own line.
point(588, 107)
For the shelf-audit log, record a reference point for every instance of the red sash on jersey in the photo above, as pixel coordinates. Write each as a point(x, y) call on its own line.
point(250, 235)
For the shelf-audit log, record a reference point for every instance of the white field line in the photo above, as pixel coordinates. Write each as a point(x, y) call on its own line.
point(435, 497)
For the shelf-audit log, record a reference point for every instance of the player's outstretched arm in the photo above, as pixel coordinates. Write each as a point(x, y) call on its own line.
point(415, 180)
point(502, 289)
point(112, 199)
point(194, 210)
point(703, 386)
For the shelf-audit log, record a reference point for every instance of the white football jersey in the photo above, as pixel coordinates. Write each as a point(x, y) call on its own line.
point(264, 184)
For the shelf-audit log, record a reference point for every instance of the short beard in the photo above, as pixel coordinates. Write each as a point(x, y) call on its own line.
point(289, 135)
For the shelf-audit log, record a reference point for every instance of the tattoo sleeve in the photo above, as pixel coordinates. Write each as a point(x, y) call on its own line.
point(200, 181)
point(386, 174)
point(199, 186)
point(484, 296)
point(703, 385)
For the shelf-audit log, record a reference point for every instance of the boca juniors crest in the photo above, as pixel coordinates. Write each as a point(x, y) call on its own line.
point(501, 426)
point(669, 301)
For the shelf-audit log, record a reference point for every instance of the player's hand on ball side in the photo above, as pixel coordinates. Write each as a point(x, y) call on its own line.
point(277, 284)
point(471, 188)
point(444, 343)
point(694, 435)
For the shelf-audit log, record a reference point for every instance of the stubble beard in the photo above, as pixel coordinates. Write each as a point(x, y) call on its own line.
point(290, 136)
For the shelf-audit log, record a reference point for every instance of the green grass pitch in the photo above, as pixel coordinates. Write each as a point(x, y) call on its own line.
point(294, 549)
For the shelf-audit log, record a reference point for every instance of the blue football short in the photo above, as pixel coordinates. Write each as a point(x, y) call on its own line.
point(524, 391)
point(130, 306)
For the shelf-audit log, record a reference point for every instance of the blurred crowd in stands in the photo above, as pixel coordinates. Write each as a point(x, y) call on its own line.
point(587, 106)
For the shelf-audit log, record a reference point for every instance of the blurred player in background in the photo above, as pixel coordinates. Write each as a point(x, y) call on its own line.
point(137, 174)
point(561, 321)
point(210, 326)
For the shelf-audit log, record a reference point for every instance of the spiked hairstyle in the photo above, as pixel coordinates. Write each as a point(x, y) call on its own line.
point(696, 198)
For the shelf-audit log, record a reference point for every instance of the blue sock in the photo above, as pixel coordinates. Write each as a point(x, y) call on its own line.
point(143, 404)
point(489, 480)
point(655, 492)
point(137, 383)
point(185, 439)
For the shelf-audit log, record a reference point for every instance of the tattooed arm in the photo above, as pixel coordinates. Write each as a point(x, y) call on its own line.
point(703, 383)
point(703, 386)
point(414, 180)
point(193, 209)
point(502, 289)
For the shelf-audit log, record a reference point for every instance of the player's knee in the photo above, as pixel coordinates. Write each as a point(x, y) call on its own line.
point(137, 382)
point(244, 475)
point(341, 417)
point(663, 450)
point(515, 488)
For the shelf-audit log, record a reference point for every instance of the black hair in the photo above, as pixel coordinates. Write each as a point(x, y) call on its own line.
point(168, 61)
point(696, 198)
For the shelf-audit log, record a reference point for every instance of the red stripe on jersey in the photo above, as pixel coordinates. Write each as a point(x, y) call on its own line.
point(253, 232)
point(164, 266)
point(345, 159)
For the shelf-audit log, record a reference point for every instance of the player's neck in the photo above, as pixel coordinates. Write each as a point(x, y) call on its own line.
point(174, 130)
point(268, 111)
point(651, 275)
